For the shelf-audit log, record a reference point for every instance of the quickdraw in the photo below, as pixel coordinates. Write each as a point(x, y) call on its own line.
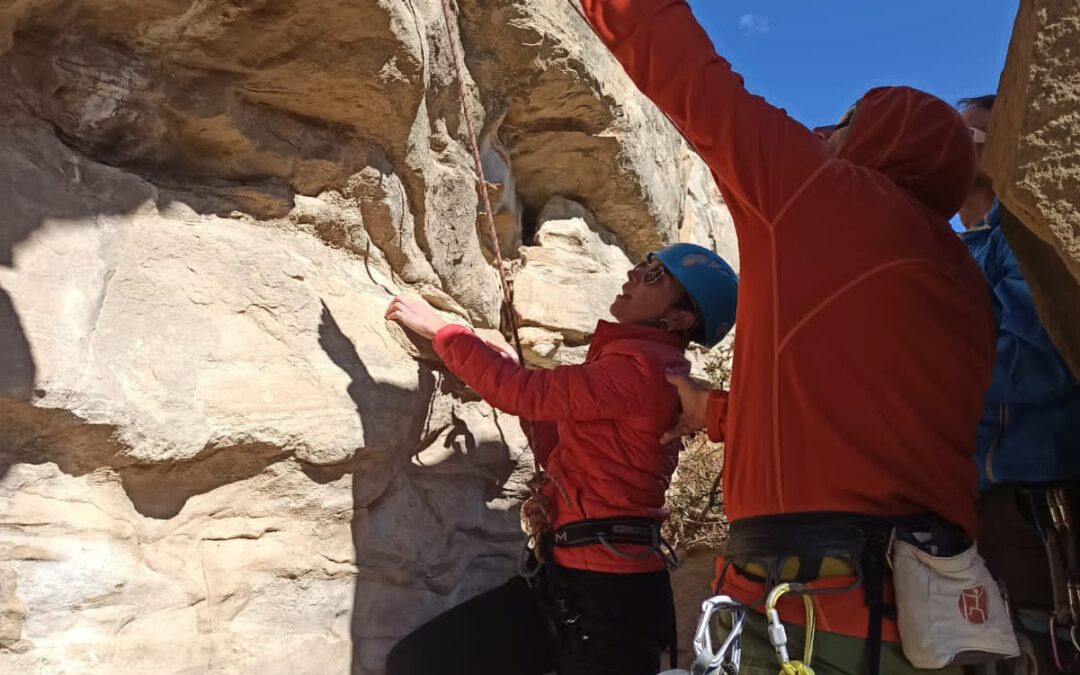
point(778, 635)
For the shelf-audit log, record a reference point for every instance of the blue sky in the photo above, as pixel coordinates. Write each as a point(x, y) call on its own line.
point(816, 57)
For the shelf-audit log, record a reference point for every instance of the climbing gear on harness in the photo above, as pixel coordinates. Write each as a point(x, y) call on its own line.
point(538, 511)
point(778, 635)
point(711, 284)
point(1052, 510)
point(726, 660)
point(803, 547)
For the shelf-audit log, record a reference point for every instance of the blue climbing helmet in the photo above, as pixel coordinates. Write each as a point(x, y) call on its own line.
point(711, 284)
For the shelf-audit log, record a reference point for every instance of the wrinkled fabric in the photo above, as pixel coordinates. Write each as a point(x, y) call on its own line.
point(597, 426)
point(1030, 430)
point(865, 339)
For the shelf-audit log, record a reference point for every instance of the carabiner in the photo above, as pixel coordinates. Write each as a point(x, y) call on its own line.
point(778, 634)
point(1059, 509)
point(1055, 647)
point(729, 656)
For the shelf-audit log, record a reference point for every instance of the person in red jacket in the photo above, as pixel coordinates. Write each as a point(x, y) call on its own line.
point(866, 338)
point(602, 600)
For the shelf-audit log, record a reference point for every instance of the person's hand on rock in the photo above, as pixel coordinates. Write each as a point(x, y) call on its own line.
point(415, 315)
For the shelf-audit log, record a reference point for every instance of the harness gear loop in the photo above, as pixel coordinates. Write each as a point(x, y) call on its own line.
point(778, 635)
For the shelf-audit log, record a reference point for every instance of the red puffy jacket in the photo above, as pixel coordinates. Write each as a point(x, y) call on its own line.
point(599, 425)
point(865, 340)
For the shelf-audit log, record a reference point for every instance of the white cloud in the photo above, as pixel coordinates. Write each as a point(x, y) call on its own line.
point(754, 24)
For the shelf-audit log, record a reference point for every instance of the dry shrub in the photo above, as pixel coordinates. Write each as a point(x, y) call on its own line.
point(695, 501)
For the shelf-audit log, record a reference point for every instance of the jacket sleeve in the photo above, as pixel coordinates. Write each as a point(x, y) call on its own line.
point(1028, 368)
point(759, 154)
point(716, 415)
point(607, 388)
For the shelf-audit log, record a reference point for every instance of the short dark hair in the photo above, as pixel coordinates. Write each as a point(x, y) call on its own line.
point(981, 102)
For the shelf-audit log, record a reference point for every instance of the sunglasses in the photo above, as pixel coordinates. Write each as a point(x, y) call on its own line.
point(651, 274)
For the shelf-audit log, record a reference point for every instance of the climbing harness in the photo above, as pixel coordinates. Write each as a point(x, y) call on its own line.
point(804, 547)
point(538, 566)
point(778, 634)
point(799, 548)
point(612, 532)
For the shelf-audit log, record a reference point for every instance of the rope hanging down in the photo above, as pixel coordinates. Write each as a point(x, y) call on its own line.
point(537, 512)
point(493, 234)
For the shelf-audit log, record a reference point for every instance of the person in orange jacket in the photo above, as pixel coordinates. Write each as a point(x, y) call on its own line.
point(601, 602)
point(865, 340)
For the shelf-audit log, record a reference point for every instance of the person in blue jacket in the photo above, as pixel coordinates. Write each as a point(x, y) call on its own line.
point(1028, 442)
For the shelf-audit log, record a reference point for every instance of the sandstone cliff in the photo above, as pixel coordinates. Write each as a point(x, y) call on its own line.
point(1034, 159)
point(215, 456)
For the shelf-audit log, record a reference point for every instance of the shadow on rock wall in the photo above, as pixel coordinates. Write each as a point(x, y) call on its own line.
point(391, 427)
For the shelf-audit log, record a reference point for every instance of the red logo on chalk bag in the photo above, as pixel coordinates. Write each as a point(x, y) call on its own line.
point(974, 605)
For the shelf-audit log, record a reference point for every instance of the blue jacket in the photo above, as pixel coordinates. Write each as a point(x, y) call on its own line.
point(1030, 431)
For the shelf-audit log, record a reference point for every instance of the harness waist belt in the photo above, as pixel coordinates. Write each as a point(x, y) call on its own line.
point(610, 532)
point(803, 547)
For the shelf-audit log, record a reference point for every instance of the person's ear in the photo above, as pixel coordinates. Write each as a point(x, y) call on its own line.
point(678, 320)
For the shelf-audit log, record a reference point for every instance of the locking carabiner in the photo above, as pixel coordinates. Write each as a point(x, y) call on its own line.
point(778, 635)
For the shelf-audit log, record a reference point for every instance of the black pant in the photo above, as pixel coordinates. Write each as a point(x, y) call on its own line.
point(626, 622)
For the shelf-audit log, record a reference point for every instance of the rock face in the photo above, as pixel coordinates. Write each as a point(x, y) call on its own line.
point(572, 274)
point(215, 456)
point(1034, 160)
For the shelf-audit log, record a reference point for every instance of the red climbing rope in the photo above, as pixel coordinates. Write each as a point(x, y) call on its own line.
point(508, 294)
point(538, 510)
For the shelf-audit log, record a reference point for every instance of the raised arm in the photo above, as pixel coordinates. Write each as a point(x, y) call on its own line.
point(761, 157)
point(604, 389)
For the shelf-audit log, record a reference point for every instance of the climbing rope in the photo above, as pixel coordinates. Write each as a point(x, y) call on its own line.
point(537, 511)
point(493, 234)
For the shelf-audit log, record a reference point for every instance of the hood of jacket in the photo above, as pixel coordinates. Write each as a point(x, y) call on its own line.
point(919, 141)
